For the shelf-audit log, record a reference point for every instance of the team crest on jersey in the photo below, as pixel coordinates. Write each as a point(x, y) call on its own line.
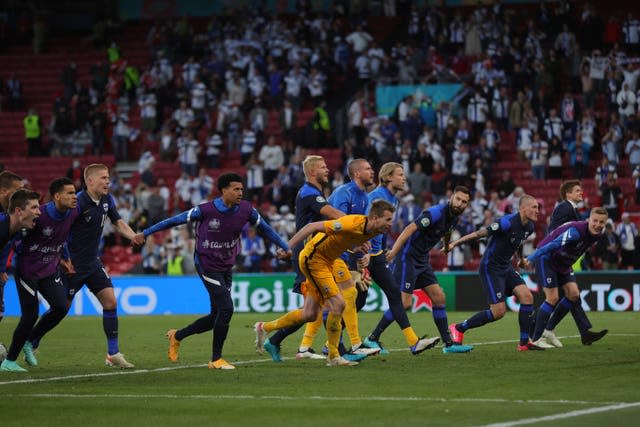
point(105, 206)
point(320, 199)
point(337, 226)
point(494, 226)
point(214, 225)
point(47, 231)
point(425, 222)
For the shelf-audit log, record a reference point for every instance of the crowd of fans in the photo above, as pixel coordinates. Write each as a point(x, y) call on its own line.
point(561, 80)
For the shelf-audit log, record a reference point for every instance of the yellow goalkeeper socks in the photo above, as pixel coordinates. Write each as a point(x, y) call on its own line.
point(410, 335)
point(350, 315)
point(333, 334)
point(310, 331)
point(292, 318)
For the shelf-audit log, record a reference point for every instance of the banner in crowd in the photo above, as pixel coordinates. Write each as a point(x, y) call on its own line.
point(388, 97)
point(271, 293)
point(251, 293)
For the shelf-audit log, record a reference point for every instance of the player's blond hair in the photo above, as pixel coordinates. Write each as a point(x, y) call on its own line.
point(310, 163)
point(93, 168)
point(599, 211)
point(526, 198)
point(386, 171)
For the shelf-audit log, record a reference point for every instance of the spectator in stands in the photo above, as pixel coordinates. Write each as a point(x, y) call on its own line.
point(603, 170)
point(626, 100)
point(294, 81)
point(586, 83)
point(408, 211)
point(69, 78)
point(255, 179)
point(631, 31)
point(98, 123)
point(155, 206)
point(608, 247)
point(611, 197)
point(259, 118)
point(356, 114)
point(288, 120)
point(460, 166)
point(32, 131)
point(253, 250)
point(516, 112)
point(569, 114)
point(627, 231)
point(152, 258)
point(632, 150)
point(506, 185)
point(578, 156)
point(524, 140)
point(148, 111)
point(337, 180)
point(477, 113)
point(184, 116)
point(553, 126)
point(188, 150)
point(359, 40)
point(478, 174)
point(76, 174)
point(418, 182)
point(213, 148)
point(203, 184)
point(538, 157)
point(13, 88)
point(272, 158)
point(174, 261)
point(182, 194)
point(439, 180)
point(478, 205)
point(120, 140)
point(249, 142)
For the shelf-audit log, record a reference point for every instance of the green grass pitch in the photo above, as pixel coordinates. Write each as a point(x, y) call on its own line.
point(493, 385)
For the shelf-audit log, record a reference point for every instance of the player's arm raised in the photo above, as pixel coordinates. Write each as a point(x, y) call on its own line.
point(330, 212)
point(307, 230)
point(125, 230)
point(401, 240)
point(479, 234)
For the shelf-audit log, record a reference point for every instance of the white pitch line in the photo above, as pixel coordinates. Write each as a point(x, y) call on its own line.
point(240, 362)
point(572, 414)
point(315, 398)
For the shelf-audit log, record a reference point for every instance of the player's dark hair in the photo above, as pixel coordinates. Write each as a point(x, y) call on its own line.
point(461, 189)
point(226, 179)
point(566, 187)
point(58, 184)
point(378, 207)
point(20, 198)
point(7, 178)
